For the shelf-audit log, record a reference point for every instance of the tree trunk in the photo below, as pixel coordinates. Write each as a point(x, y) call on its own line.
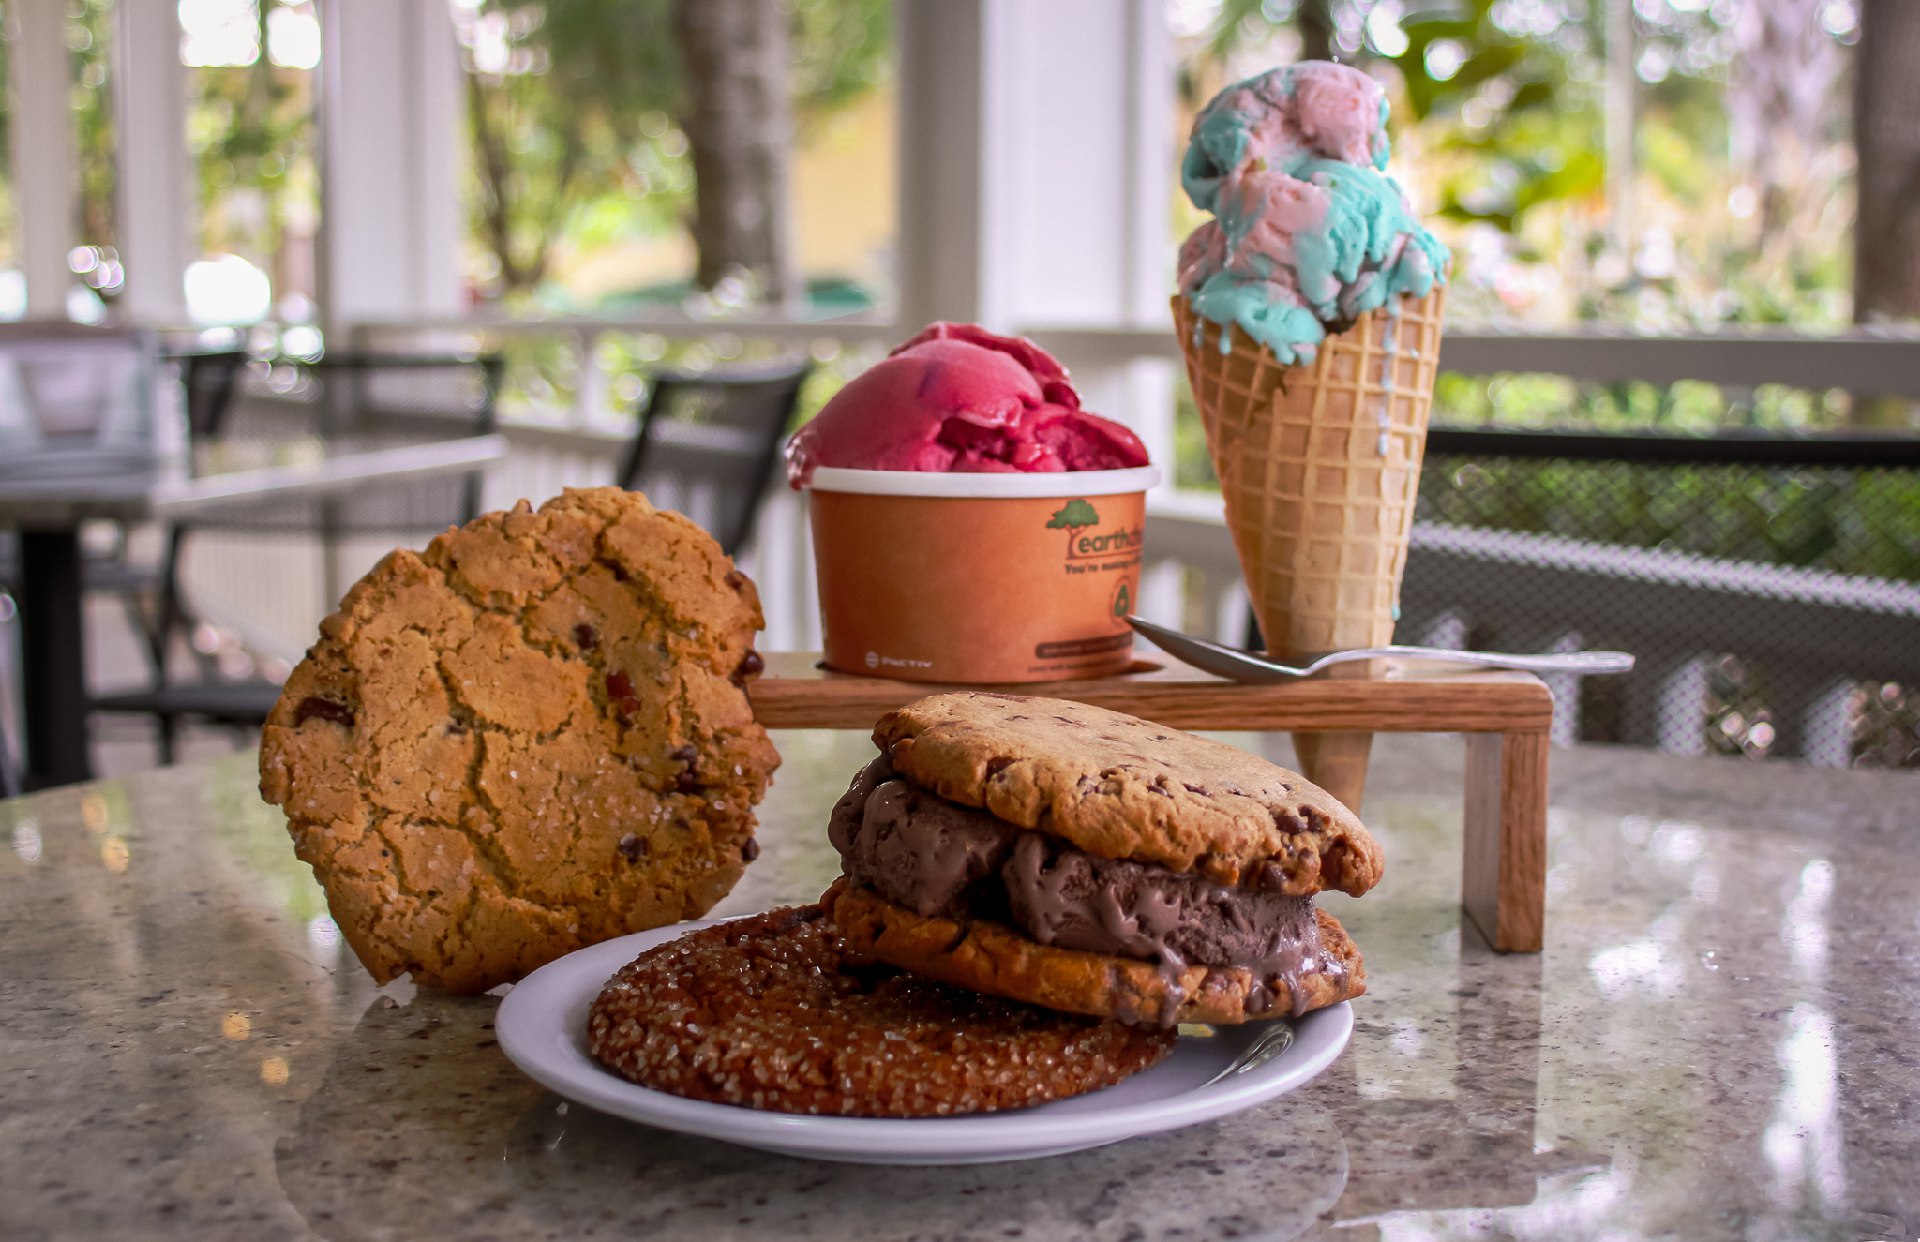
point(1314, 22)
point(739, 123)
point(1886, 134)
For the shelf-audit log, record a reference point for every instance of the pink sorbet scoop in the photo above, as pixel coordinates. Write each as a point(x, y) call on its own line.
point(959, 398)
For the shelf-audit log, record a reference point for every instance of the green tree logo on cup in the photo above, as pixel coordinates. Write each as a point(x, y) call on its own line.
point(1075, 515)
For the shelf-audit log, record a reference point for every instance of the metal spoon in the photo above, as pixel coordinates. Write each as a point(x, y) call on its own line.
point(1246, 667)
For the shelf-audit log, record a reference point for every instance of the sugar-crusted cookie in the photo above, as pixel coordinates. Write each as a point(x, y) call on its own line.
point(1089, 861)
point(773, 1012)
point(1121, 787)
point(531, 737)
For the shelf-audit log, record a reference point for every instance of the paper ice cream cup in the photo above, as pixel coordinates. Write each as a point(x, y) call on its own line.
point(978, 577)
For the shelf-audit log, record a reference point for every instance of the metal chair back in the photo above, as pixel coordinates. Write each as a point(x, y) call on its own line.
point(709, 444)
point(363, 400)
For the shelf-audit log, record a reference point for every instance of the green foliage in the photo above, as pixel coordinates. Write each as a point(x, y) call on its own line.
point(542, 371)
point(1192, 464)
point(1510, 107)
point(1852, 522)
point(841, 51)
point(573, 123)
point(253, 139)
point(1075, 515)
point(1526, 400)
point(568, 117)
point(1504, 106)
point(89, 43)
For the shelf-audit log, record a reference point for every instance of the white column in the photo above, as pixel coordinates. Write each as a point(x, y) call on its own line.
point(1035, 162)
point(1814, 718)
point(1080, 161)
point(391, 143)
point(1035, 167)
point(941, 237)
point(45, 165)
point(155, 182)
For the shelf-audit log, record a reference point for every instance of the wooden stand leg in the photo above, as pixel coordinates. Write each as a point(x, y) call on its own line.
point(1337, 762)
point(1504, 886)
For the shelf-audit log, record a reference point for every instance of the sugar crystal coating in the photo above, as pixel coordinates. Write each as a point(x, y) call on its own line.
point(773, 1012)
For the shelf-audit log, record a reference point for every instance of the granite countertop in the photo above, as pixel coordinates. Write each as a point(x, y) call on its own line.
point(1721, 1040)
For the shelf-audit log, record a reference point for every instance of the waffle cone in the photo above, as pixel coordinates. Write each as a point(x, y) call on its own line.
point(1319, 465)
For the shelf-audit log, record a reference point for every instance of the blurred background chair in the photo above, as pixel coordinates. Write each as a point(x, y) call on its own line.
point(80, 400)
point(354, 400)
point(73, 396)
point(208, 381)
point(708, 444)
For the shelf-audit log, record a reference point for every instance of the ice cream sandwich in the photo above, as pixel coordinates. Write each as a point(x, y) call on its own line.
point(1090, 861)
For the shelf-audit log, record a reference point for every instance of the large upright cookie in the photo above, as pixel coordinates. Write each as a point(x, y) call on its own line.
point(532, 737)
point(1120, 787)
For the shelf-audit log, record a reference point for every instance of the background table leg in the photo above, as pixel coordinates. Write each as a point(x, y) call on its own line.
point(1504, 884)
point(53, 674)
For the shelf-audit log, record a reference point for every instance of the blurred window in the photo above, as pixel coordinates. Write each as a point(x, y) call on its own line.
point(252, 70)
point(582, 195)
point(93, 260)
point(13, 284)
point(1669, 164)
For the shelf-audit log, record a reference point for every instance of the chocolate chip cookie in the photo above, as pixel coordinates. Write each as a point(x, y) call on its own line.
point(1122, 787)
point(987, 955)
point(531, 737)
point(1090, 861)
point(774, 1012)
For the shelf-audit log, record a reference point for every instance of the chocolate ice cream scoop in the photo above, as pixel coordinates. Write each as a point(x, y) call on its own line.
point(938, 858)
point(1084, 860)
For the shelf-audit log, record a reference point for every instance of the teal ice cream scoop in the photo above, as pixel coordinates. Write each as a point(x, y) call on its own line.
point(1309, 232)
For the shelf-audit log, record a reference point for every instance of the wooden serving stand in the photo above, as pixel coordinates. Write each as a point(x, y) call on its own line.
point(1506, 717)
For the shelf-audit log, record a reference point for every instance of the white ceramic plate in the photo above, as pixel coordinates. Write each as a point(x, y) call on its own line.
point(542, 1025)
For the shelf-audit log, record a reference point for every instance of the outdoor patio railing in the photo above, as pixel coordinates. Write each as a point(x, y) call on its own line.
point(1783, 651)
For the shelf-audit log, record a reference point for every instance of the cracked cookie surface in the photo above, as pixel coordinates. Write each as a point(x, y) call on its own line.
point(1117, 786)
point(532, 737)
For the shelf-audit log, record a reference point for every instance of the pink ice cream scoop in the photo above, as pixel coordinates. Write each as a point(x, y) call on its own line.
point(1309, 232)
point(958, 398)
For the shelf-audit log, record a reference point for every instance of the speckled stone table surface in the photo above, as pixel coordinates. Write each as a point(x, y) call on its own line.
point(1721, 1040)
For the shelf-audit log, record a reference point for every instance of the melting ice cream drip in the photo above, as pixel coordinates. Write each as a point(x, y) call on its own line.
point(1389, 340)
